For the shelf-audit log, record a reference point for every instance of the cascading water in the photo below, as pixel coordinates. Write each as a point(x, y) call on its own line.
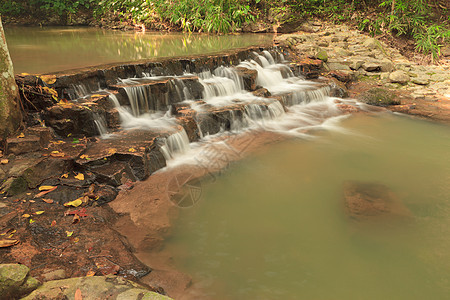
point(223, 89)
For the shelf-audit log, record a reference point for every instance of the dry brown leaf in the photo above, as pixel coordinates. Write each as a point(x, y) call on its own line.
point(22, 135)
point(57, 154)
point(112, 150)
point(80, 176)
point(45, 192)
point(8, 243)
point(4, 161)
point(90, 273)
point(78, 295)
point(49, 201)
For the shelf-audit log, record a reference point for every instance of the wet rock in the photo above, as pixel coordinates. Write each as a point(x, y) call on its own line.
point(26, 144)
point(45, 134)
point(249, 78)
point(338, 89)
point(262, 92)
point(95, 287)
point(15, 282)
point(379, 97)
point(372, 201)
point(73, 119)
point(399, 77)
point(310, 68)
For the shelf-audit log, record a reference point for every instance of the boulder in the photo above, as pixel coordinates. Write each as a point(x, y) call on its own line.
point(94, 287)
point(15, 282)
point(322, 55)
point(371, 66)
point(399, 77)
point(379, 97)
point(22, 145)
point(371, 43)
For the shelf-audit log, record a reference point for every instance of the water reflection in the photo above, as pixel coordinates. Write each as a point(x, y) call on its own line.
point(51, 49)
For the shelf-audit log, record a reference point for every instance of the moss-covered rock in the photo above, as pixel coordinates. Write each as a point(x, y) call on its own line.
point(15, 282)
point(379, 97)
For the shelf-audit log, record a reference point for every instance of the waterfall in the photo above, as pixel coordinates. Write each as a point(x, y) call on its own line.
point(174, 144)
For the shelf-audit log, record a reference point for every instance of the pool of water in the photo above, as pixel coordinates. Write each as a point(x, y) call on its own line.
point(50, 49)
point(273, 226)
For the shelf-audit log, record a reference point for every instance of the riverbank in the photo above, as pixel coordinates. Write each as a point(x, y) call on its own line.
point(361, 63)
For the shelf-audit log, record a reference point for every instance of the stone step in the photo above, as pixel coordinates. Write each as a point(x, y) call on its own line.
point(126, 155)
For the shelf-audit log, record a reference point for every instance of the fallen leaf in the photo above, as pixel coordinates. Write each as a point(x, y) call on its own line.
point(31, 221)
point(69, 233)
point(112, 150)
point(26, 216)
point(76, 240)
point(53, 223)
point(51, 91)
point(90, 273)
point(132, 150)
point(8, 243)
point(32, 201)
point(76, 219)
point(80, 176)
point(58, 154)
point(39, 212)
point(79, 212)
point(84, 156)
point(57, 142)
point(22, 135)
point(7, 231)
point(48, 79)
point(28, 194)
point(65, 175)
point(75, 141)
point(45, 192)
point(4, 161)
point(24, 74)
point(49, 201)
point(74, 203)
point(78, 295)
point(46, 187)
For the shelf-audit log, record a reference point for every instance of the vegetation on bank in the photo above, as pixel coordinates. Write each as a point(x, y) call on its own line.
point(425, 21)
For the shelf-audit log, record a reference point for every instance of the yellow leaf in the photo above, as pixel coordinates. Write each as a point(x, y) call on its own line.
point(48, 79)
point(132, 150)
point(46, 187)
point(25, 215)
point(84, 156)
point(4, 161)
point(22, 135)
point(74, 203)
point(54, 152)
point(31, 221)
point(69, 233)
point(76, 240)
point(112, 150)
point(65, 175)
point(24, 74)
point(80, 176)
point(39, 212)
point(90, 273)
point(50, 91)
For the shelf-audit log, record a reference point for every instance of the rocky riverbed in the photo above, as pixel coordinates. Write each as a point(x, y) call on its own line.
point(54, 212)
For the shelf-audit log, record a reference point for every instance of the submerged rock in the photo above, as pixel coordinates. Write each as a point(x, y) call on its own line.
point(368, 200)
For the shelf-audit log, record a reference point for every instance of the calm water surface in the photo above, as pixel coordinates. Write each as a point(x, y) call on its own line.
point(51, 49)
point(273, 226)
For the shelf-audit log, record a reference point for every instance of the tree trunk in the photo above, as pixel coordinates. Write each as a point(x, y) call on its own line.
point(10, 114)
